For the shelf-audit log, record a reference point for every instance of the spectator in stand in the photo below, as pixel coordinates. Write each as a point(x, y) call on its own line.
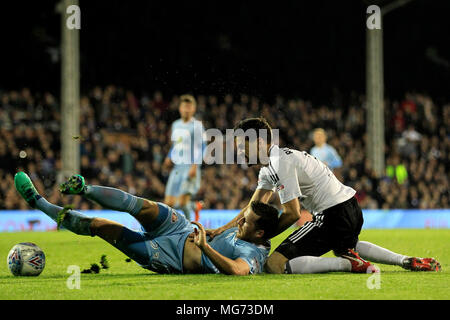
point(396, 170)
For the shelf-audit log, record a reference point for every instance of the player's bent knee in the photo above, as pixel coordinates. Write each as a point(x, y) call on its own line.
point(275, 263)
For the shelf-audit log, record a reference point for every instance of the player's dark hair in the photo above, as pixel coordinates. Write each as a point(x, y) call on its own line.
point(268, 218)
point(256, 124)
point(188, 98)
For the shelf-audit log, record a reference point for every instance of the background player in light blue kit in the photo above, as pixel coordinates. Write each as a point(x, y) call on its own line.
point(323, 151)
point(186, 155)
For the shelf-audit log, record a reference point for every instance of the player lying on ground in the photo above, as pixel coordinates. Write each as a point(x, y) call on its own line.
point(161, 245)
point(337, 217)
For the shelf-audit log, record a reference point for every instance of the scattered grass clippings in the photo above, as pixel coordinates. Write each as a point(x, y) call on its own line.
point(93, 269)
point(104, 262)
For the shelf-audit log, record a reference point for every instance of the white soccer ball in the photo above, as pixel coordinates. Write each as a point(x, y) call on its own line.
point(26, 259)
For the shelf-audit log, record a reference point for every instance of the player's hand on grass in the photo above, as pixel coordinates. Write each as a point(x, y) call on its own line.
point(199, 235)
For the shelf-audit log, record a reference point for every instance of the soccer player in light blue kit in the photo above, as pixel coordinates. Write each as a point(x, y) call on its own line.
point(167, 241)
point(323, 151)
point(186, 154)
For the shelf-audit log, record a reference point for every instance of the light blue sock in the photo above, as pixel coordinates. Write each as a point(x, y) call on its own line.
point(114, 199)
point(187, 211)
point(73, 221)
point(191, 206)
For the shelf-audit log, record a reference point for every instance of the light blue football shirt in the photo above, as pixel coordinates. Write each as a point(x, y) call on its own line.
point(228, 245)
point(328, 154)
point(187, 142)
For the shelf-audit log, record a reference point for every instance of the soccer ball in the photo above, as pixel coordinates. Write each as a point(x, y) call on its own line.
point(26, 259)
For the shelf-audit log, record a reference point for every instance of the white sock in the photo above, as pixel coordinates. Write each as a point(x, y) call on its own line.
point(310, 264)
point(374, 253)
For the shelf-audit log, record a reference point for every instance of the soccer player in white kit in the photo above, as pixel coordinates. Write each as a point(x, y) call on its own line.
point(298, 178)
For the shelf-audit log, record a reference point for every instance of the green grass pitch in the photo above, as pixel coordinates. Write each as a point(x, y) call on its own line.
point(126, 280)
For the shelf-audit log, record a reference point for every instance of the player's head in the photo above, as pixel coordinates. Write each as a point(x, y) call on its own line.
point(259, 223)
point(253, 135)
point(187, 107)
point(319, 136)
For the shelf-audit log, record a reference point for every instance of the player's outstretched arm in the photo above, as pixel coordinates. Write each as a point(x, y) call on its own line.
point(262, 195)
point(290, 215)
point(225, 265)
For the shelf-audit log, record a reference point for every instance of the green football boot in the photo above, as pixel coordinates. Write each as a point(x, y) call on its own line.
point(25, 187)
point(75, 185)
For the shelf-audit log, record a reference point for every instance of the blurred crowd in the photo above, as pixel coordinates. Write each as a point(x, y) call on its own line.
point(124, 139)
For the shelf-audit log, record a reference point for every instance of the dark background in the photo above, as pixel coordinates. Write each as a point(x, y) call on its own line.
point(293, 48)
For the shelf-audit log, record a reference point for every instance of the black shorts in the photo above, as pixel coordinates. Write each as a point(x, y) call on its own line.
point(336, 228)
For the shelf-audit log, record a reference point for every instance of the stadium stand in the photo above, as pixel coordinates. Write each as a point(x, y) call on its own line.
point(125, 138)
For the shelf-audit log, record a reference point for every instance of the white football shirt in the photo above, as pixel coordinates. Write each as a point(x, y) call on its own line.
point(297, 174)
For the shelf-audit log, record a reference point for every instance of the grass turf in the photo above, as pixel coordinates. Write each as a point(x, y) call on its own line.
point(126, 280)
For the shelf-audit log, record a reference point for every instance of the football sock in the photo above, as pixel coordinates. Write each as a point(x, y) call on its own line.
point(114, 199)
point(73, 221)
point(193, 209)
point(310, 264)
point(191, 206)
point(374, 253)
point(187, 211)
